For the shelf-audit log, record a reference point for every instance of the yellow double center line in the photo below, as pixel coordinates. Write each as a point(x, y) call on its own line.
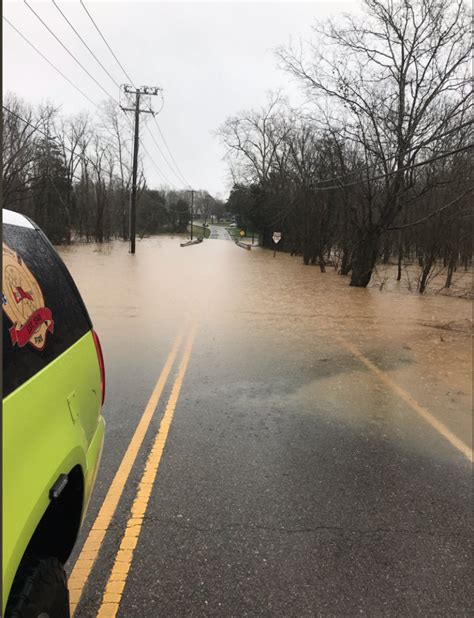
point(118, 577)
point(93, 543)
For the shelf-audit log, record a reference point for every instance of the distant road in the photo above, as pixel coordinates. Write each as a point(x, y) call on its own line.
point(219, 233)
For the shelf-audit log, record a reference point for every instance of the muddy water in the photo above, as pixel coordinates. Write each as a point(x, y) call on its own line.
point(422, 342)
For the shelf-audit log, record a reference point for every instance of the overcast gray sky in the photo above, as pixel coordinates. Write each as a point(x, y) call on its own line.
point(212, 59)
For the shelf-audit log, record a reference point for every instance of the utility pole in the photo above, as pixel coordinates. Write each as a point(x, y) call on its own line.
point(206, 214)
point(192, 211)
point(138, 92)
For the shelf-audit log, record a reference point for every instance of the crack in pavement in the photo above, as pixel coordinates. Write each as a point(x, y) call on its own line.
point(306, 529)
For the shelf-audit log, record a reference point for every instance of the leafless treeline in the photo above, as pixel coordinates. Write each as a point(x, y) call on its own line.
point(73, 176)
point(377, 164)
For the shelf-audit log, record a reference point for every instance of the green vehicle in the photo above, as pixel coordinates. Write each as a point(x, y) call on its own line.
point(53, 429)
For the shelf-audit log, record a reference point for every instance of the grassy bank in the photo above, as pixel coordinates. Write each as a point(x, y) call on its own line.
point(198, 231)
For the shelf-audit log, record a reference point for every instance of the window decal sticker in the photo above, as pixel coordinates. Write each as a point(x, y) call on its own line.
point(23, 303)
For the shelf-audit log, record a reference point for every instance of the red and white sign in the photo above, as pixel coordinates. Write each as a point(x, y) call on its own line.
point(276, 237)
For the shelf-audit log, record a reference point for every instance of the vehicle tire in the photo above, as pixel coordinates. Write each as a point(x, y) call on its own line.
point(39, 590)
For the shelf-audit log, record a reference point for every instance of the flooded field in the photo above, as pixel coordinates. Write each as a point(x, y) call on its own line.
point(385, 277)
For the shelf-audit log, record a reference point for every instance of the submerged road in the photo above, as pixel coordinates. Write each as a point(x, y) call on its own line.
point(278, 444)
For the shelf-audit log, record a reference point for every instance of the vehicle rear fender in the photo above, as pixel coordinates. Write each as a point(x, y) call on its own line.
point(43, 529)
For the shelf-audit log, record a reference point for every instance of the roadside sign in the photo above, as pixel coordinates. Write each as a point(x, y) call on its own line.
point(276, 237)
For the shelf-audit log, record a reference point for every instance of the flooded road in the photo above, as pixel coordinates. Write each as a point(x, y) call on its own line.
point(314, 439)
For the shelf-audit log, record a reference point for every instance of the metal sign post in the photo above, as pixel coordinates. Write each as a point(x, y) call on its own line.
point(276, 237)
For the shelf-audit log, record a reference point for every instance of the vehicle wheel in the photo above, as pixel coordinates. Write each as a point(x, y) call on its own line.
point(39, 590)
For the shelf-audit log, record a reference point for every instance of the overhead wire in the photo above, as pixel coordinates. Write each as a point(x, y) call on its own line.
point(432, 214)
point(85, 44)
point(443, 155)
point(395, 155)
point(133, 84)
point(156, 165)
point(37, 128)
point(105, 41)
point(400, 169)
point(180, 175)
point(67, 50)
point(170, 153)
point(50, 137)
point(96, 105)
point(161, 153)
point(49, 62)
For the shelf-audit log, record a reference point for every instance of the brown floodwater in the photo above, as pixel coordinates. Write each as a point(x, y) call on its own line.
point(422, 342)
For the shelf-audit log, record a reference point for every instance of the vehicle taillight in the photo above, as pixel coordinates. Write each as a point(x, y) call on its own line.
point(100, 358)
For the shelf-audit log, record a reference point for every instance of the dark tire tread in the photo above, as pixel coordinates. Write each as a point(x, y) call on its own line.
point(40, 586)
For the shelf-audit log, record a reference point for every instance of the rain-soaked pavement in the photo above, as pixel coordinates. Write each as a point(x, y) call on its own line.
point(218, 232)
point(317, 458)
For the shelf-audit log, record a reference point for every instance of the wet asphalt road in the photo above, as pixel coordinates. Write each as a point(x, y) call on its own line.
point(294, 481)
point(218, 232)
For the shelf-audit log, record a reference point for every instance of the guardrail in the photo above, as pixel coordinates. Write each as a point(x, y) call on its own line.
point(239, 243)
point(191, 242)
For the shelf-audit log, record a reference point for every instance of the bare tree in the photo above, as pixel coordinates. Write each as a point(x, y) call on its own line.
point(74, 137)
point(117, 134)
point(21, 127)
point(399, 77)
point(252, 139)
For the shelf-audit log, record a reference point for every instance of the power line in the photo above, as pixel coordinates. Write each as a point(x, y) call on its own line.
point(50, 137)
point(170, 153)
point(49, 62)
point(157, 168)
point(71, 83)
point(401, 169)
point(444, 155)
point(80, 155)
point(108, 46)
point(161, 173)
point(146, 151)
point(161, 153)
point(180, 175)
point(85, 44)
point(394, 156)
point(68, 51)
point(432, 214)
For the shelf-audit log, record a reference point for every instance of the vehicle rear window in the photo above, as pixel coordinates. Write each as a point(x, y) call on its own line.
point(43, 314)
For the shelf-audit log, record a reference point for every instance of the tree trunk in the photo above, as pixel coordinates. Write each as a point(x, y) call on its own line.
point(400, 257)
point(424, 278)
point(386, 249)
point(322, 264)
point(428, 265)
point(306, 252)
point(451, 269)
point(364, 258)
point(346, 263)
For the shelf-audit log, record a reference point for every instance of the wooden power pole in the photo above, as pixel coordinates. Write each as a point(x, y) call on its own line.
point(192, 212)
point(138, 92)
